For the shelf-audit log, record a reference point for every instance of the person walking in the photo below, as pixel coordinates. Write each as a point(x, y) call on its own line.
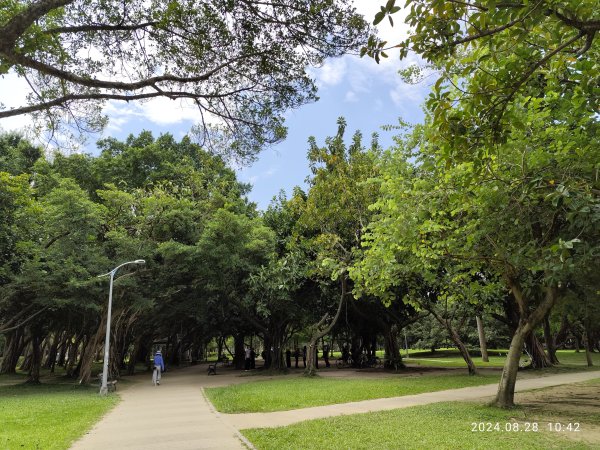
point(159, 367)
point(296, 355)
point(288, 358)
point(248, 357)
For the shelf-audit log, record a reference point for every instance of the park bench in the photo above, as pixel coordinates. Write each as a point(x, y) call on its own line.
point(212, 369)
point(110, 384)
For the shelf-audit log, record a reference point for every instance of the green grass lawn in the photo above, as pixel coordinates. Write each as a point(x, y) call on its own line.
point(302, 392)
point(437, 426)
point(452, 358)
point(48, 416)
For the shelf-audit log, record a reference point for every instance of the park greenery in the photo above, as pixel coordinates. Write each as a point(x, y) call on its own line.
point(242, 64)
point(441, 425)
point(278, 395)
point(62, 413)
point(479, 226)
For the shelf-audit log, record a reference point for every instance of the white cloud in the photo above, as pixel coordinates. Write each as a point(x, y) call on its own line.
point(163, 111)
point(14, 94)
point(331, 73)
point(351, 97)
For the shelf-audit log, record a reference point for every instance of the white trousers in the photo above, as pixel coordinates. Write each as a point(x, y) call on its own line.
point(156, 374)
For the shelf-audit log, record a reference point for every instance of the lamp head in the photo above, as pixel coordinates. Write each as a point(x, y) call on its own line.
point(140, 261)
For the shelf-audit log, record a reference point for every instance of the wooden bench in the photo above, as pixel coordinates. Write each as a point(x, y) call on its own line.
point(212, 369)
point(110, 384)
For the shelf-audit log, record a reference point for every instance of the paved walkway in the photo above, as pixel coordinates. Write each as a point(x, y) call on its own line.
point(176, 415)
point(282, 418)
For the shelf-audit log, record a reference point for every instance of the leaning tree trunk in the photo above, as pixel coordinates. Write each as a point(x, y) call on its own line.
point(52, 352)
point(482, 341)
point(506, 389)
point(319, 332)
point(12, 351)
point(87, 358)
point(27, 357)
point(72, 353)
point(505, 397)
point(464, 352)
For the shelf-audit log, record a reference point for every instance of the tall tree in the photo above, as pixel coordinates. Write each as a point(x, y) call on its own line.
point(489, 53)
point(239, 62)
point(530, 217)
point(333, 215)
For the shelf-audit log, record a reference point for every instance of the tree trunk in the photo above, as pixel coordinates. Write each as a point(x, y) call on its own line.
point(482, 341)
point(12, 351)
point(72, 353)
point(550, 347)
point(539, 359)
point(588, 347)
point(27, 357)
point(36, 360)
point(464, 352)
point(64, 346)
point(506, 389)
point(52, 352)
point(239, 351)
point(277, 361)
point(505, 397)
point(87, 357)
point(393, 358)
point(220, 340)
point(318, 333)
point(134, 357)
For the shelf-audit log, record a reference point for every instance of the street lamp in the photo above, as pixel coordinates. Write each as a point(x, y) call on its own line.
point(104, 387)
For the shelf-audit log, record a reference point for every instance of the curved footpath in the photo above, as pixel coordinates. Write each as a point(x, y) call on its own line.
point(176, 415)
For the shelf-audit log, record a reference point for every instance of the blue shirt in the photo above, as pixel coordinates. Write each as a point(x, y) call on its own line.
point(158, 361)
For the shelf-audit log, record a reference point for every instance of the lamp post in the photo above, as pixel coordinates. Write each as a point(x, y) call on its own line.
point(104, 387)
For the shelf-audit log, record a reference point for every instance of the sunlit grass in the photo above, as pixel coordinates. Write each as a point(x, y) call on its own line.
point(452, 358)
point(48, 416)
point(437, 426)
point(302, 392)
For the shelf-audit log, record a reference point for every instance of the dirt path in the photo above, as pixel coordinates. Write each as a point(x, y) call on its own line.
point(283, 418)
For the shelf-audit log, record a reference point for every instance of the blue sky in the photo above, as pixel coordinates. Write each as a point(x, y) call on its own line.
point(368, 95)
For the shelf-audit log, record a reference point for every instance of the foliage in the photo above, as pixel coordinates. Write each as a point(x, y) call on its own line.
point(167, 202)
point(242, 64)
point(490, 55)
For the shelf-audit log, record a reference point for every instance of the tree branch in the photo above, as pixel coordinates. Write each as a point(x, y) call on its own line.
point(6, 330)
point(100, 27)
point(19, 23)
point(47, 69)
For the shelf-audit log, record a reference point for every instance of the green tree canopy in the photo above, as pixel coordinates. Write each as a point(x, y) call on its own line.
point(492, 56)
point(241, 62)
